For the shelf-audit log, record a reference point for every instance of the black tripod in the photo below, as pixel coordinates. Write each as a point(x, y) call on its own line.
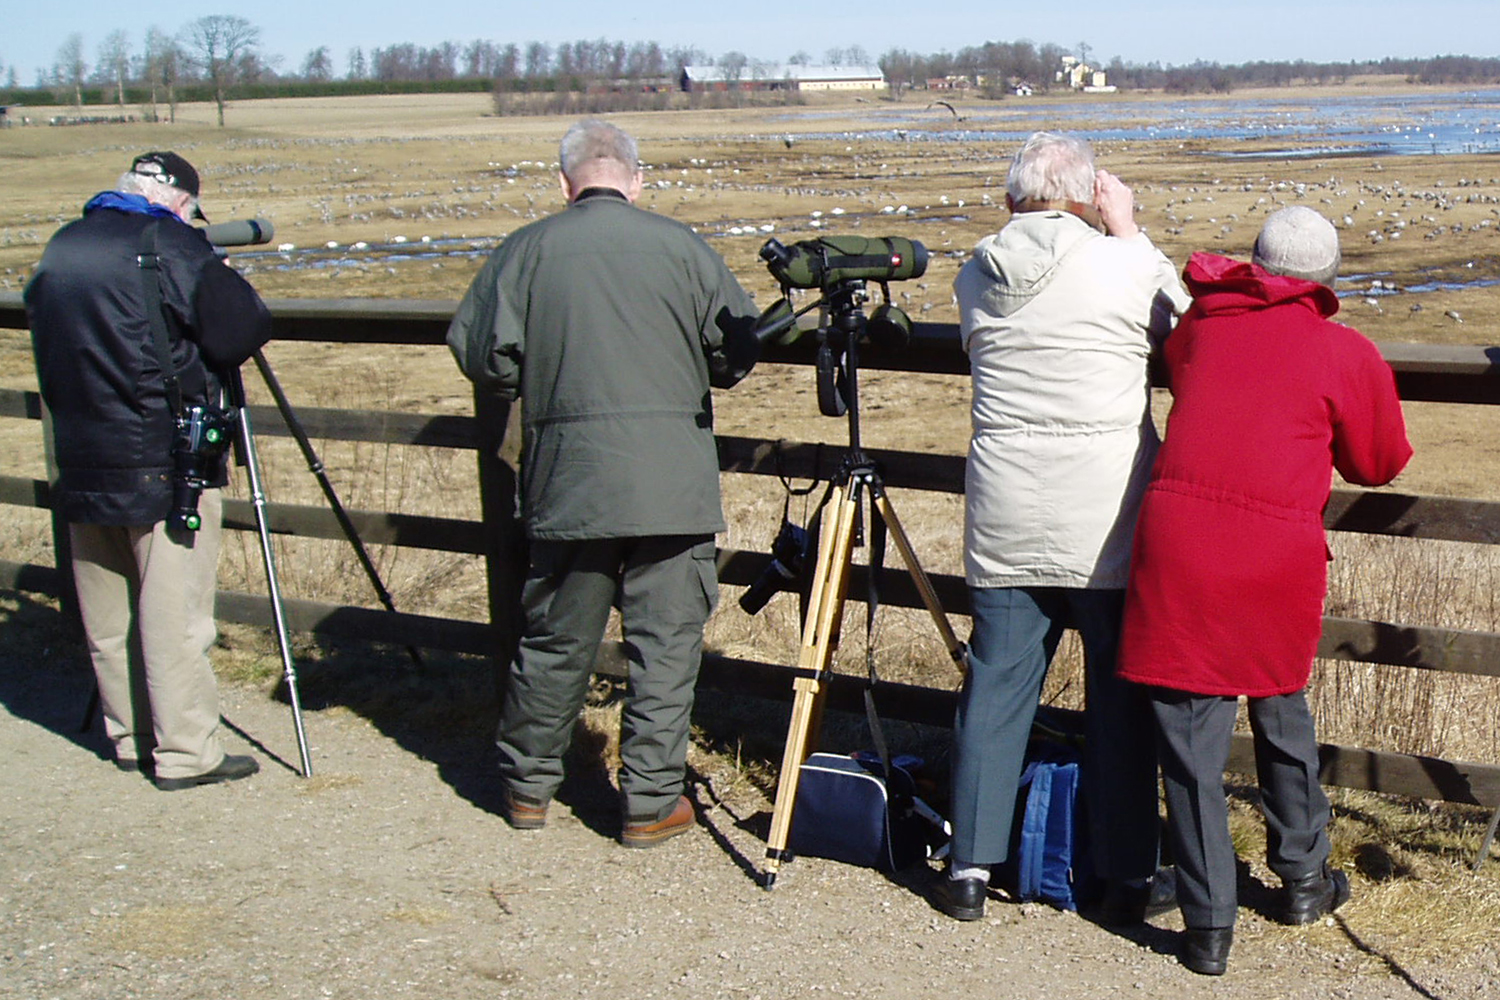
point(858, 479)
point(235, 389)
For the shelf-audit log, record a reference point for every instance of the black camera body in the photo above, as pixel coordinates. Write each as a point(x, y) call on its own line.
point(789, 554)
point(202, 435)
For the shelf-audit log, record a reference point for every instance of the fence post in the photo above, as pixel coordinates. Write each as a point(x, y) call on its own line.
point(504, 540)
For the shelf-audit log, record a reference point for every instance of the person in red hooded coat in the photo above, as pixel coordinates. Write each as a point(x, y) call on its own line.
point(1230, 563)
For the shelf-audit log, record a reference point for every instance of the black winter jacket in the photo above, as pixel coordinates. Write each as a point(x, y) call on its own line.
point(97, 365)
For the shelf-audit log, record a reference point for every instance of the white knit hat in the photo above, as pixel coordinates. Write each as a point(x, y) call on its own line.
point(1300, 243)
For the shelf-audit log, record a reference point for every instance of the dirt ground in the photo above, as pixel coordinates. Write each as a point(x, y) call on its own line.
point(389, 874)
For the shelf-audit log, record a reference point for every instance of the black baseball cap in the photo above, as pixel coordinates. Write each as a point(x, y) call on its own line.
point(171, 169)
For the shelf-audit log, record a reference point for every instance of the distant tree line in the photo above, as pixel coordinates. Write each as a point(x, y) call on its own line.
point(995, 68)
point(219, 56)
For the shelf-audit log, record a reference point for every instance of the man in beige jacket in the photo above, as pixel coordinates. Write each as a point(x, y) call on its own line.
point(1059, 312)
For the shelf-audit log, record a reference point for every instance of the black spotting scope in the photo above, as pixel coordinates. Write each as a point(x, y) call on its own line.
point(239, 232)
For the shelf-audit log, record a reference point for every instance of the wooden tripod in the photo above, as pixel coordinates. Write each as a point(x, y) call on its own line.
point(820, 633)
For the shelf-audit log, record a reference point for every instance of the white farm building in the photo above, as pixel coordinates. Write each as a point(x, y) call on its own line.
point(760, 76)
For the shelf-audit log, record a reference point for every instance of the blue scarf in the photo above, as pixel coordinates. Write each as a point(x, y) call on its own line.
point(122, 202)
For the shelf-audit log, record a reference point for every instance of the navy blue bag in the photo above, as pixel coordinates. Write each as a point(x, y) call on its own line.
point(1049, 852)
point(847, 811)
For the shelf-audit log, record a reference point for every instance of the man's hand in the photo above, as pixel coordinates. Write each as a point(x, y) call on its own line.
point(1116, 204)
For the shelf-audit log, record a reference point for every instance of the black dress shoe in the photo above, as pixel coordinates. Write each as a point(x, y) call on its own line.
point(1125, 903)
point(1205, 950)
point(960, 898)
point(230, 768)
point(1314, 896)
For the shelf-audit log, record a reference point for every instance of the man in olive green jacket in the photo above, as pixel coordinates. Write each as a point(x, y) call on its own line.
point(611, 324)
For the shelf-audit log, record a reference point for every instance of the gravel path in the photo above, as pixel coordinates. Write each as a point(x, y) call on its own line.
point(388, 875)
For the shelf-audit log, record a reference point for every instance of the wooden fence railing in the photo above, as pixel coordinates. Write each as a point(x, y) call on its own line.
point(1459, 375)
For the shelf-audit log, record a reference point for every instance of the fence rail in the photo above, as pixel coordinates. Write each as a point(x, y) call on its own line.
point(1468, 375)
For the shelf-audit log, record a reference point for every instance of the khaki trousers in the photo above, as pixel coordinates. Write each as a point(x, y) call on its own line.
point(147, 600)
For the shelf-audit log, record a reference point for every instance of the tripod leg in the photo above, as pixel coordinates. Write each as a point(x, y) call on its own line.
point(258, 501)
point(1489, 838)
point(819, 639)
point(315, 466)
point(958, 650)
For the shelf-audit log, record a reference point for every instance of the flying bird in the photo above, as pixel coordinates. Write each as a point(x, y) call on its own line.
point(951, 110)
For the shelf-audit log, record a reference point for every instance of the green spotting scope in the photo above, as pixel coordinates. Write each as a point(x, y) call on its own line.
point(826, 262)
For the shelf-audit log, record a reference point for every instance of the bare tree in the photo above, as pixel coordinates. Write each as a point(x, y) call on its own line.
point(218, 44)
point(69, 71)
point(318, 66)
point(162, 64)
point(358, 68)
point(114, 63)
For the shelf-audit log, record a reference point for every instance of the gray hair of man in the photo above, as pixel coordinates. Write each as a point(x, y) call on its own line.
point(1052, 167)
point(1298, 242)
point(593, 139)
point(157, 192)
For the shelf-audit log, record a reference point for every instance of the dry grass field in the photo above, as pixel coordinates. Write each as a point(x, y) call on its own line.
point(441, 176)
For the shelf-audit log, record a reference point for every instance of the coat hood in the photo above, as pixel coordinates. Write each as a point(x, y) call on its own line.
point(1022, 259)
point(1223, 285)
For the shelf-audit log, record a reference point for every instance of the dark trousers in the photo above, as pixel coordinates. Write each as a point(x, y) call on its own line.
point(665, 588)
point(1194, 740)
point(1016, 631)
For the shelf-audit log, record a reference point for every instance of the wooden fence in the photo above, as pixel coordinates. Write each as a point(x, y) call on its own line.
point(1458, 375)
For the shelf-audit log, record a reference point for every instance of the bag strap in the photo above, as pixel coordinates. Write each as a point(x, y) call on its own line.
point(150, 264)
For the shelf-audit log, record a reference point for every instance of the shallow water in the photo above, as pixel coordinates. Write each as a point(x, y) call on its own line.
point(1425, 124)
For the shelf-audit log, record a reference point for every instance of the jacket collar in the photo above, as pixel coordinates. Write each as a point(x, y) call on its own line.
point(1222, 284)
point(590, 193)
point(137, 204)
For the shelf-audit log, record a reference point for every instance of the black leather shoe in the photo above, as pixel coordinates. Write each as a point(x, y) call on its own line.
point(1124, 904)
point(1314, 896)
point(959, 898)
point(1205, 950)
point(231, 768)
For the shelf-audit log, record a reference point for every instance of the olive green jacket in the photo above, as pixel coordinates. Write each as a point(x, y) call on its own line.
point(610, 323)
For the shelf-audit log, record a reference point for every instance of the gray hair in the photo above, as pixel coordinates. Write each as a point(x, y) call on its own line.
point(153, 190)
point(594, 139)
point(1052, 167)
point(1298, 242)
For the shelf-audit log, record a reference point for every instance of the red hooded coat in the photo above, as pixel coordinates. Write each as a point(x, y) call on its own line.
point(1230, 565)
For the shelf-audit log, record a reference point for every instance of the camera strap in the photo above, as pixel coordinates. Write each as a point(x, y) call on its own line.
point(161, 338)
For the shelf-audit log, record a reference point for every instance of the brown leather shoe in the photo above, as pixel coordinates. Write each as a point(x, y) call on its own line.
point(523, 813)
point(638, 833)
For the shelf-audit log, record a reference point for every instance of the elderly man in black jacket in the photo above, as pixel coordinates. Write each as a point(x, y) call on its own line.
point(117, 384)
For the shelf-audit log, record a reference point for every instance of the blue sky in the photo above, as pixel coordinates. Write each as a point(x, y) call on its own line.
point(1166, 31)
